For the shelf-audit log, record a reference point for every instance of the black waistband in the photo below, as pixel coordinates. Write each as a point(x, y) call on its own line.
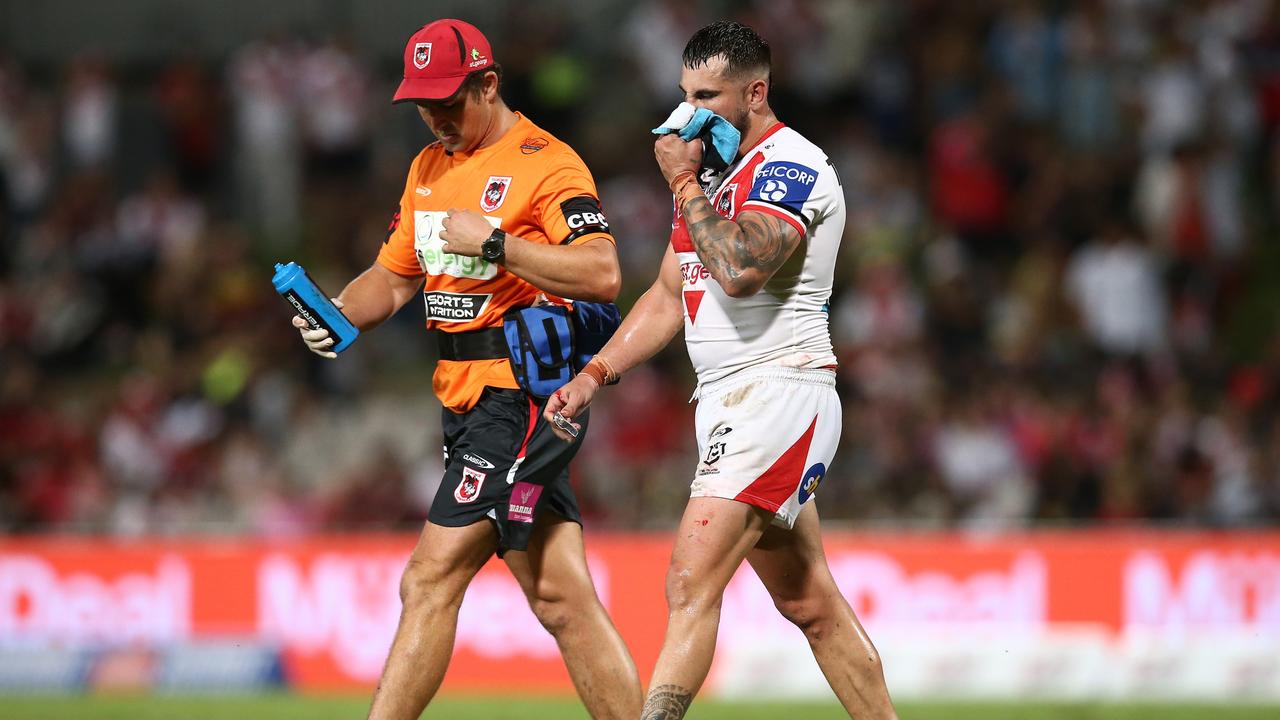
point(486, 344)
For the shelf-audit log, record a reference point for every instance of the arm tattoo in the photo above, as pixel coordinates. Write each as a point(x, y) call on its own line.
point(730, 249)
point(666, 702)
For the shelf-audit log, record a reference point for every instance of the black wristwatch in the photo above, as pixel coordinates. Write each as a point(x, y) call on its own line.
point(494, 247)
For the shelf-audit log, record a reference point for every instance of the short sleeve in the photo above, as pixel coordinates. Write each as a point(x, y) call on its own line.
point(791, 190)
point(397, 253)
point(568, 206)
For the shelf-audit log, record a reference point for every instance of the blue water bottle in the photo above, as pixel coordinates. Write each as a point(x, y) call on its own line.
point(304, 296)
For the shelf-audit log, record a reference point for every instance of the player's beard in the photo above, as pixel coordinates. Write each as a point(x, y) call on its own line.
point(739, 119)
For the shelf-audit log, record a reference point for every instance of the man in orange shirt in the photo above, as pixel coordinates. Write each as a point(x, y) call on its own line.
point(497, 214)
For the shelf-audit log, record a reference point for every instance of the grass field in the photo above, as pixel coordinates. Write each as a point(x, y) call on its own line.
point(326, 708)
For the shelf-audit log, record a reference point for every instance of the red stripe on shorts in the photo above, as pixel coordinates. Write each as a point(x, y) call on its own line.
point(776, 484)
point(533, 421)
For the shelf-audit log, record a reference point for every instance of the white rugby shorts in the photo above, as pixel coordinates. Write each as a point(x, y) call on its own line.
point(766, 437)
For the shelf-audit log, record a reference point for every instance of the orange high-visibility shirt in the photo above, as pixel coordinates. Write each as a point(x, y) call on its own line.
point(528, 183)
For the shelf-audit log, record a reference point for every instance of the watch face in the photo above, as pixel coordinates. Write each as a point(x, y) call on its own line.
point(493, 247)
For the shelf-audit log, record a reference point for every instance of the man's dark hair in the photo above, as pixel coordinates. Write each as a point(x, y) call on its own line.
point(474, 84)
point(743, 50)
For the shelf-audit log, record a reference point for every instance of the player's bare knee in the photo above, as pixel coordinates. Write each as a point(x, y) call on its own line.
point(560, 605)
point(802, 612)
point(687, 594)
point(412, 581)
point(554, 614)
point(424, 581)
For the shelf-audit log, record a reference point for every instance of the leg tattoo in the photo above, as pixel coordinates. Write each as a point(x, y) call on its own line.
point(666, 702)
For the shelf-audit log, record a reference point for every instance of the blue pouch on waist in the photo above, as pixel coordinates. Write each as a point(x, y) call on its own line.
point(549, 343)
point(541, 342)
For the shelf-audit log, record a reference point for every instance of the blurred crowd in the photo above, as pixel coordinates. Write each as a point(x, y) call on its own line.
point(1057, 300)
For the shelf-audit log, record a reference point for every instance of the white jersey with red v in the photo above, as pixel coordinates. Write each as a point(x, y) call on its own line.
point(787, 176)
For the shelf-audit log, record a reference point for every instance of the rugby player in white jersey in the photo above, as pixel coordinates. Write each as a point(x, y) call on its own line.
point(748, 278)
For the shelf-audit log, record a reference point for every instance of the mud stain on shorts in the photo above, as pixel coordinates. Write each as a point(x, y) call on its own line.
point(735, 398)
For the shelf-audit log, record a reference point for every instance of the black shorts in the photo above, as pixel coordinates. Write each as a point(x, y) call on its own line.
point(503, 462)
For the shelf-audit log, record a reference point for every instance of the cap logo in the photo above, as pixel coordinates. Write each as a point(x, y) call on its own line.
point(477, 59)
point(421, 55)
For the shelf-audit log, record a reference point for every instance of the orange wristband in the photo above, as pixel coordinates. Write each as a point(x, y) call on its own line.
point(680, 179)
point(682, 197)
point(600, 371)
point(594, 372)
point(610, 375)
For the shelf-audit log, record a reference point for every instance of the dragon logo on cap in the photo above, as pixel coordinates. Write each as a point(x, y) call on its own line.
point(421, 55)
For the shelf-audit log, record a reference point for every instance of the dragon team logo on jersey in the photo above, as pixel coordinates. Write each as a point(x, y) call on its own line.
point(495, 191)
point(809, 484)
point(469, 489)
point(724, 205)
point(421, 55)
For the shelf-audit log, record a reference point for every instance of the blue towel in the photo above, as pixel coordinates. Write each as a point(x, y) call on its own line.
point(692, 122)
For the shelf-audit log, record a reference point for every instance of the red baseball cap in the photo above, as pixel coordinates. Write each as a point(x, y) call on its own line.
point(439, 57)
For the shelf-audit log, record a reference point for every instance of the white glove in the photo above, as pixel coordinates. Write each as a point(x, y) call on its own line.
point(318, 341)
